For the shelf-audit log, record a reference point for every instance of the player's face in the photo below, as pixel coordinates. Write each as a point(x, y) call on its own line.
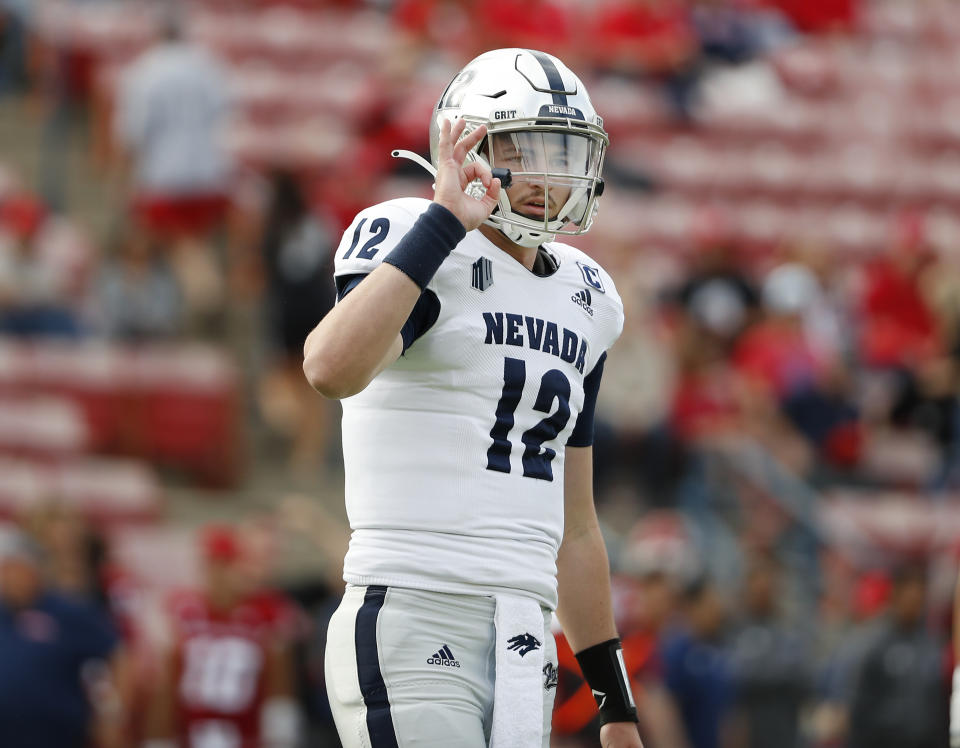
point(19, 581)
point(530, 157)
point(224, 582)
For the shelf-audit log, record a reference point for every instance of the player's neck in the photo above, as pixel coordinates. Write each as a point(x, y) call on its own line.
point(524, 255)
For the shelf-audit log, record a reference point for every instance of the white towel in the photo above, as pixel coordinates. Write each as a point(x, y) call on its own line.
point(518, 689)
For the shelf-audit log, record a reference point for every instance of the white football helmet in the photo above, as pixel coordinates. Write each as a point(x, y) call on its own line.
point(543, 128)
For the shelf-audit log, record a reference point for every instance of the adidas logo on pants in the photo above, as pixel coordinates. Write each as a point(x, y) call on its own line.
point(443, 657)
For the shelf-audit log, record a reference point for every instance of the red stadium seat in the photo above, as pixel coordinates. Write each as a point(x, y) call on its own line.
point(173, 404)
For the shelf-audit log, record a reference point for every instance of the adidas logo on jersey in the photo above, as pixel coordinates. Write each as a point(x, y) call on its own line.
point(443, 657)
point(583, 299)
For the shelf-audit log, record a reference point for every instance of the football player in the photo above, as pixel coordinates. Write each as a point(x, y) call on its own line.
point(467, 347)
point(227, 680)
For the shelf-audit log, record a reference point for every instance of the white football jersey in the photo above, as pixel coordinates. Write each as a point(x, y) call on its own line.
point(454, 454)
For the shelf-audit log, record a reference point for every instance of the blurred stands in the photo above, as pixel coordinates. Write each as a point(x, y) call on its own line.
point(824, 139)
point(826, 136)
point(109, 493)
point(173, 405)
point(303, 79)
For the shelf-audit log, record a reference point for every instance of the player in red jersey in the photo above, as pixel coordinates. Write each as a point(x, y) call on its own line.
point(227, 680)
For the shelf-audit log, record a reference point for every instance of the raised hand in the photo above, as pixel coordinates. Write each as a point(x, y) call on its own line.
point(453, 176)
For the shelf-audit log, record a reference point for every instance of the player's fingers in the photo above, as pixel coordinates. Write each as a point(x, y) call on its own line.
point(476, 170)
point(467, 143)
point(445, 141)
point(493, 194)
point(456, 129)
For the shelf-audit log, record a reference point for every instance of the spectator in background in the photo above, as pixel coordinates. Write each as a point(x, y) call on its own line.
point(77, 565)
point(900, 694)
point(531, 24)
point(653, 566)
point(632, 450)
point(817, 16)
point(716, 291)
point(227, 680)
point(297, 255)
point(898, 327)
point(34, 291)
point(697, 666)
point(771, 662)
point(902, 337)
point(731, 31)
point(138, 295)
point(707, 312)
point(14, 15)
point(299, 613)
point(648, 38)
point(73, 553)
point(171, 110)
point(57, 686)
point(430, 33)
point(780, 358)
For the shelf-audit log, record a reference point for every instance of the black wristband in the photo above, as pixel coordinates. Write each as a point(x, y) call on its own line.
point(603, 669)
point(426, 245)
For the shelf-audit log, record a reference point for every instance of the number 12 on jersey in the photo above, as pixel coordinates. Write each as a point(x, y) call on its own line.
point(536, 459)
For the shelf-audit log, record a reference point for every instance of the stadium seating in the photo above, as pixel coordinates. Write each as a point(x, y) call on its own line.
point(173, 405)
point(109, 492)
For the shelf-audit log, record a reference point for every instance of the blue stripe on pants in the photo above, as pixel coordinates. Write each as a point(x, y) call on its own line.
point(374, 690)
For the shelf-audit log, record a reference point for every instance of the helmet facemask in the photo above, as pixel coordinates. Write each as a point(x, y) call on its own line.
point(541, 126)
point(555, 177)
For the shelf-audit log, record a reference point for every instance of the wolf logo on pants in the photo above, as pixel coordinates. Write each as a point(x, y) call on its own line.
point(523, 643)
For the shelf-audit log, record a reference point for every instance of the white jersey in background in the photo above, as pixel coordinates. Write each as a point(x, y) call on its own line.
point(172, 109)
point(454, 454)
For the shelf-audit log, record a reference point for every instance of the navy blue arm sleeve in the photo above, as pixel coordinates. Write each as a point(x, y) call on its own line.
point(582, 434)
point(421, 319)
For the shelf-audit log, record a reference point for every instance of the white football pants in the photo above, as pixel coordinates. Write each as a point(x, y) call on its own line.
point(406, 667)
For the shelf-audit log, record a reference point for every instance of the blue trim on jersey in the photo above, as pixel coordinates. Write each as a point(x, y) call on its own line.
point(374, 690)
point(425, 313)
point(422, 317)
point(582, 434)
point(346, 283)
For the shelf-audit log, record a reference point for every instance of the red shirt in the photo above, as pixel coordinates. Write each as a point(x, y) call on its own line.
point(220, 666)
point(818, 15)
point(531, 24)
point(656, 36)
point(779, 357)
point(704, 403)
point(898, 325)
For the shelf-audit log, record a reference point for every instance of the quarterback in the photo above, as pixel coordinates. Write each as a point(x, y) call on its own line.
point(467, 346)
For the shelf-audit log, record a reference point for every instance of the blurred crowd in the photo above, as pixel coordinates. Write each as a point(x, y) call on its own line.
point(777, 444)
